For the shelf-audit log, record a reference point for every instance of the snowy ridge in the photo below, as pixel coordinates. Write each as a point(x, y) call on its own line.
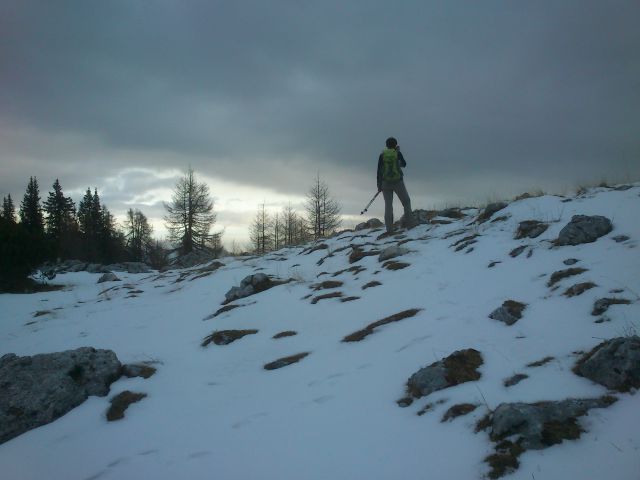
point(215, 412)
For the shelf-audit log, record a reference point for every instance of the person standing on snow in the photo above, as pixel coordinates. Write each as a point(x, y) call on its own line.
point(390, 164)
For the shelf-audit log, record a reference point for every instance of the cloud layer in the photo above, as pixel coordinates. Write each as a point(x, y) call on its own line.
point(485, 97)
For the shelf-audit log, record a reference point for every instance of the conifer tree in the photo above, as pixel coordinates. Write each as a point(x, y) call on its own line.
point(138, 235)
point(31, 211)
point(323, 212)
point(60, 220)
point(8, 209)
point(190, 214)
point(260, 231)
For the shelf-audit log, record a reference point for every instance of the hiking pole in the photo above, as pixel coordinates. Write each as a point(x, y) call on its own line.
point(369, 204)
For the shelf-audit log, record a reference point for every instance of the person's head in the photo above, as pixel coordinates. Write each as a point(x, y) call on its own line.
point(391, 142)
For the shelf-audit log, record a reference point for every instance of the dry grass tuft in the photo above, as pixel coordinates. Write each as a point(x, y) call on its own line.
point(121, 402)
point(283, 362)
point(325, 296)
point(368, 330)
point(562, 274)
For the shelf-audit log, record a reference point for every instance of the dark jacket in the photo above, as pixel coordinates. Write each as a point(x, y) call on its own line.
point(401, 162)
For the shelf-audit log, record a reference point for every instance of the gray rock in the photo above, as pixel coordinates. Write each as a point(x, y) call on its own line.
point(251, 285)
point(39, 389)
point(542, 424)
point(490, 210)
point(76, 266)
point(571, 261)
point(108, 277)
point(459, 367)
point(96, 268)
point(371, 223)
point(530, 229)
point(510, 312)
point(584, 229)
point(392, 252)
point(129, 267)
point(614, 363)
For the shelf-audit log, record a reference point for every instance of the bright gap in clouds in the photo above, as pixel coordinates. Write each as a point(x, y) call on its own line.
point(147, 190)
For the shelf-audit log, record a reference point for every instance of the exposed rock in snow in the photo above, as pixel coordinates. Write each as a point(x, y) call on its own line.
point(37, 390)
point(490, 210)
point(602, 304)
point(283, 362)
point(459, 367)
point(614, 363)
point(251, 285)
point(108, 277)
point(371, 223)
point(530, 229)
point(533, 427)
point(510, 312)
point(584, 229)
point(225, 337)
point(392, 252)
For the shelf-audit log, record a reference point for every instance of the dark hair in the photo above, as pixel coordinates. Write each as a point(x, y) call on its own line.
point(391, 142)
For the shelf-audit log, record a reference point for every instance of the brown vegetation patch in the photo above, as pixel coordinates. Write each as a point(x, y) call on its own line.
point(225, 337)
point(602, 305)
point(325, 296)
point(540, 363)
point(465, 242)
point(368, 330)
point(222, 310)
point(358, 254)
point(349, 299)
point(561, 274)
point(373, 283)
point(554, 432)
point(327, 284)
point(505, 460)
point(121, 402)
point(288, 333)
point(356, 269)
point(322, 246)
point(283, 362)
point(41, 313)
point(517, 251)
point(514, 380)
point(393, 265)
point(578, 289)
point(462, 366)
point(458, 411)
point(138, 370)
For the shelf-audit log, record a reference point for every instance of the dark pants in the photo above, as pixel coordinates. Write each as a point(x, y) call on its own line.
point(388, 189)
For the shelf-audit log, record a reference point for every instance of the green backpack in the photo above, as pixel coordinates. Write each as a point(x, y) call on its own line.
point(390, 168)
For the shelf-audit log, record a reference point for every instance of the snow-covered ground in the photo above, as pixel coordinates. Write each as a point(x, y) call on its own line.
point(215, 412)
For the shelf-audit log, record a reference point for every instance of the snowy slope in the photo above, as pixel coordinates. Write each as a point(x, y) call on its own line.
point(214, 412)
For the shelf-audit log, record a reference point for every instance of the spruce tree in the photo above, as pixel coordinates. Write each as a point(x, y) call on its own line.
point(8, 209)
point(31, 211)
point(60, 220)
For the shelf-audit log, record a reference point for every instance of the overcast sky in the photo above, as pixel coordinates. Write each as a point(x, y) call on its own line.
point(487, 98)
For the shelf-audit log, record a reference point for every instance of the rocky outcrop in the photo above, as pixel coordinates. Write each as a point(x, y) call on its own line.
point(250, 285)
point(371, 223)
point(614, 363)
point(510, 312)
point(459, 367)
point(392, 252)
point(39, 389)
point(490, 210)
point(108, 277)
point(584, 229)
point(530, 229)
point(517, 427)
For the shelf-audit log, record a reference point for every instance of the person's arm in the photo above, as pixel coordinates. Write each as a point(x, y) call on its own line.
point(401, 159)
point(379, 174)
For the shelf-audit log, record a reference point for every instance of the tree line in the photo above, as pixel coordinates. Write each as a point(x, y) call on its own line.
point(57, 229)
point(320, 219)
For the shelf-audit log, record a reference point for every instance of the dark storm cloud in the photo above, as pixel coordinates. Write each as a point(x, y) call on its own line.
point(267, 93)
